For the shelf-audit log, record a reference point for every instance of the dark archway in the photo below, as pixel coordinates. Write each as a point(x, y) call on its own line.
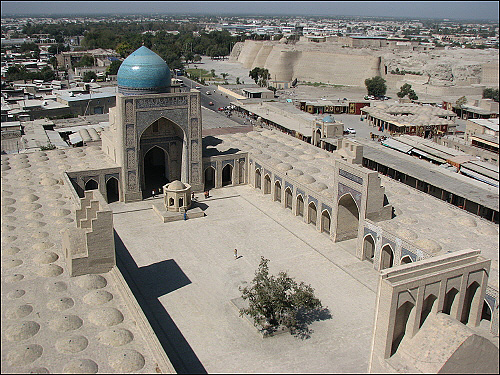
point(318, 137)
point(277, 191)
point(227, 175)
point(241, 171)
point(209, 178)
point(288, 198)
point(427, 308)
point(311, 213)
point(300, 206)
point(450, 306)
point(258, 179)
point(406, 259)
point(91, 185)
point(402, 316)
point(325, 222)
point(347, 218)
point(470, 293)
point(162, 146)
point(155, 169)
point(387, 257)
point(112, 190)
point(267, 184)
point(369, 248)
point(486, 313)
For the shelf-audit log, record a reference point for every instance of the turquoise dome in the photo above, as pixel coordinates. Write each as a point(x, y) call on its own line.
point(143, 72)
point(328, 119)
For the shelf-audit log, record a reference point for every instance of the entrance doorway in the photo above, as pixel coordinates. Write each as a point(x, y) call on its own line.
point(311, 216)
point(369, 248)
point(112, 192)
point(209, 178)
point(300, 206)
point(347, 218)
point(267, 184)
point(227, 175)
point(155, 169)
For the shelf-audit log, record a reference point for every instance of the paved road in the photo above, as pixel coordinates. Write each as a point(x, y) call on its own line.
point(218, 99)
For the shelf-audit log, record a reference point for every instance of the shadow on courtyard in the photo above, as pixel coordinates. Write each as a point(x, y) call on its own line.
point(148, 283)
point(306, 318)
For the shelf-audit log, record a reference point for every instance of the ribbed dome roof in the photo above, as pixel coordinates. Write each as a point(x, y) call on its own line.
point(143, 72)
point(176, 185)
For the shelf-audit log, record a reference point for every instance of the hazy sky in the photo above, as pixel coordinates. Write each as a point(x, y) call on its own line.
point(471, 10)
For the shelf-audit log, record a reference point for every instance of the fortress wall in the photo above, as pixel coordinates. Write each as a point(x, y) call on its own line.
point(235, 52)
point(489, 74)
point(249, 52)
point(335, 68)
point(262, 55)
point(281, 63)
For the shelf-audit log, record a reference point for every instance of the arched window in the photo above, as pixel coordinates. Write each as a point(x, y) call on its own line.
point(387, 257)
point(311, 215)
point(91, 185)
point(325, 222)
point(369, 248)
point(181, 202)
point(171, 202)
point(486, 312)
point(406, 259)
point(277, 191)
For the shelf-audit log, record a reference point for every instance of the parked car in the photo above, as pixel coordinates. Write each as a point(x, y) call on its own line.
point(351, 131)
point(221, 108)
point(209, 93)
point(197, 87)
point(211, 103)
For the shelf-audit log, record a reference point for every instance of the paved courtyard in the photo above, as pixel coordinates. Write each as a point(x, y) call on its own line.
point(186, 276)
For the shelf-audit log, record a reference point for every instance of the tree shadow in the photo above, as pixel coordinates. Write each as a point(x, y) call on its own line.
point(201, 205)
point(306, 317)
point(148, 283)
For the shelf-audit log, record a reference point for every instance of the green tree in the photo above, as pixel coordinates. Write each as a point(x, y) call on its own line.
point(212, 72)
point(86, 60)
point(224, 75)
point(238, 80)
point(407, 90)
point(113, 68)
point(196, 58)
point(275, 301)
point(376, 86)
point(89, 76)
point(260, 76)
point(490, 93)
point(124, 49)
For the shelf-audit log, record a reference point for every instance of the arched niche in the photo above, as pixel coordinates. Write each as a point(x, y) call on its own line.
point(347, 218)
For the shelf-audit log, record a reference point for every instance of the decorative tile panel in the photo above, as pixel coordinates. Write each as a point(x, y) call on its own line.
point(405, 252)
point(287, 184)
point(168, 101)
point(351, 176)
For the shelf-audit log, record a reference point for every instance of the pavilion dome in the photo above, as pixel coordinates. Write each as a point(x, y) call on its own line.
point(176, 185)
point(143, 72)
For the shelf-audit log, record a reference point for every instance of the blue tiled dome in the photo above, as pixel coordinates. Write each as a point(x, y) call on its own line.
point(328, 119)
point(143, 72)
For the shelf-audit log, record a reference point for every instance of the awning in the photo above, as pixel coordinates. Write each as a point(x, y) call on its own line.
point(396, 145)
point(479, 177)
point(428, 156)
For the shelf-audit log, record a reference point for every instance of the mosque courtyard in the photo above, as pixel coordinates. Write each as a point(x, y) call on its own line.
point(187, 275)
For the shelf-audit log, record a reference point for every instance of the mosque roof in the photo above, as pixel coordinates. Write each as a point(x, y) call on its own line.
point(176, 185)
point(143, 71)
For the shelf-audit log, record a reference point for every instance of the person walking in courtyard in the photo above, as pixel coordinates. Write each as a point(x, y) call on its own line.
point(235, 253)
point(153, 192)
